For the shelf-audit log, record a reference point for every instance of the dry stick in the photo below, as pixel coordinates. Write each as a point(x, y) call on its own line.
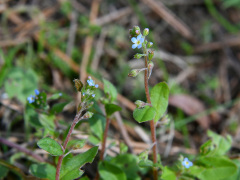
point(152, 124)
point(123, 131)
point(89, 41)
point(170, 18)
point(20, 148)
point(75, 121)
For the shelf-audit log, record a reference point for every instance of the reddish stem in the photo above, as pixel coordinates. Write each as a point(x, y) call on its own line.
point(104, 139)
point(152, 124)
point(103, 144)
point(75, 121)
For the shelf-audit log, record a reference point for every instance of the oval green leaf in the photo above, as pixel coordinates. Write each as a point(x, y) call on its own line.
point(70, 170)
point(159, 98)
point(110, 90)
point(144, 114)
point(50, 146)
point(46, 171)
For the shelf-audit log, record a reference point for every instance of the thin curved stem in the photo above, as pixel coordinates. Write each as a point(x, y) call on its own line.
point(75, 121)
point(152, 124)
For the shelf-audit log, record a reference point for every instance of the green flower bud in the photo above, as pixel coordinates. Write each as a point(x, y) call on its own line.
point(133, 73)
point(137, 32)
point(150, 55)
point(149, 44)
point(145, 31)
point(138, 56)
point(139, 103)
point(87, 115)
point(89, 105)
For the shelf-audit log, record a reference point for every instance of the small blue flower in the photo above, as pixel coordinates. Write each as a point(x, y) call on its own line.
point(93, 95)
point(31, 99)
point(37, 92)
point(137, 41)
point(83, 94)
point(60, 94)
point(96, 86)
point(186, 163)
point(90, 82)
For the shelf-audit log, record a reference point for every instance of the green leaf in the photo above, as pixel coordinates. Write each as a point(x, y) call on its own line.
point(3, 171)
point(216, 168)
point(43, 171)
point(128, 163)
point(70, 170)
point(97, 125)
point(50, 146)
point(110, 90)
point(168, 174)
point(112, 108)
point(76, 144)
point(108, 170)
point(146, 113)
point(47, 121)
point(57, 108)
point(221, 144)
point(21, 83)
point(159, 98)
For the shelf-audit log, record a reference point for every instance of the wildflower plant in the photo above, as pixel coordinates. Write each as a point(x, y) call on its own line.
point(157, 101)
point(68, 169)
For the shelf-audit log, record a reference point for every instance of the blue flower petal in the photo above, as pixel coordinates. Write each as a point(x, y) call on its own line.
point(134, 40)
point(139, 37)
point(36, 91)
point(134, 46)
point(139, 46)
point(142, 40)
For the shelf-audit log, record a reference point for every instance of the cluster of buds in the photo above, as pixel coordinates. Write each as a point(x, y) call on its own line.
point(139, 41)
point(32, 98)
point(87, 92)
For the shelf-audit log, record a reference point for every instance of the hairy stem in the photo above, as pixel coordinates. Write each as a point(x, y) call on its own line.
point(152, 124)
point(75, 121)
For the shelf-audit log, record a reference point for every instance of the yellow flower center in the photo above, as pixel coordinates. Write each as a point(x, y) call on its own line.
point(138, 42)
point(187, 162)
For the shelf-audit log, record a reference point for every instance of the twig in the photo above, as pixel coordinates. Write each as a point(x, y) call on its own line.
point(213, 46)
point(123, 131)
point(170, 18)
point(22, 149)
point(99, 49)
point(72, 33)
point(88, 45)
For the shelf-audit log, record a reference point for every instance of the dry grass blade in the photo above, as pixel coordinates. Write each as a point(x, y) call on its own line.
point(169, 17)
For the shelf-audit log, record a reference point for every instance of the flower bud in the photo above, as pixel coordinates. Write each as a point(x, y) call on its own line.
point(150, 55)
point(133, 73)
point(78, 84)
point(138, 56)
point(145, 32)
point(139, 103)
point(87, 115)
point(89, 105)
point(137, 32)
point(149, 44)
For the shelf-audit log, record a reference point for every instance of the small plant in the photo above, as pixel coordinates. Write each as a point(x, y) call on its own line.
point(157, 101)
point(70, 169)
